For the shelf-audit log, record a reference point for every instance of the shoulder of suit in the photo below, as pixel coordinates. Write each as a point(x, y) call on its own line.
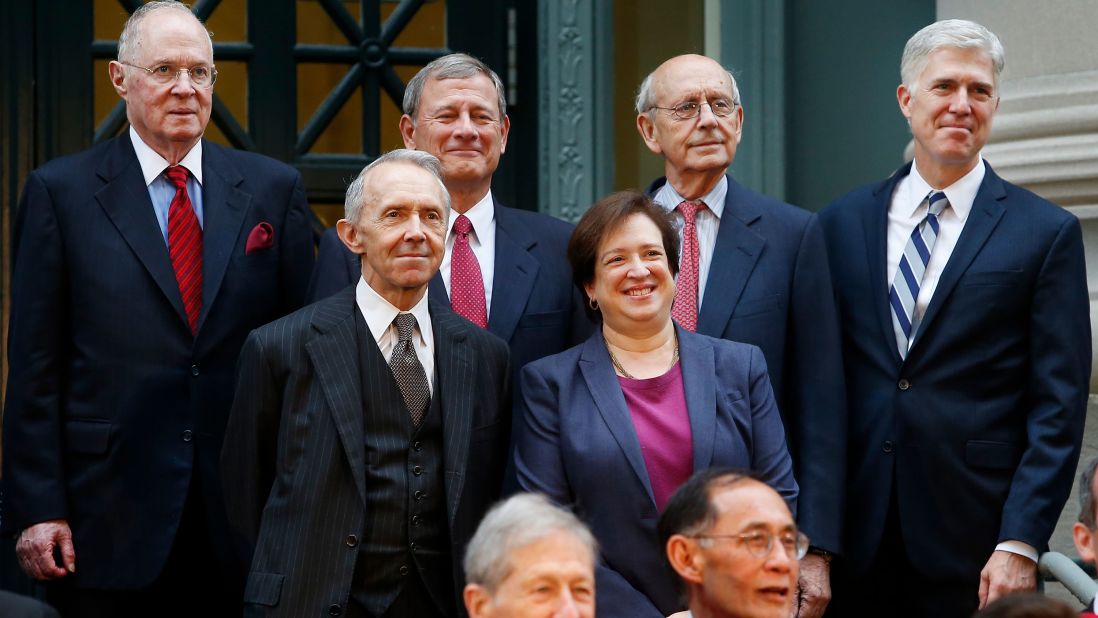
point(723, 348)
point(565, 359)
point(541, 224)
point(327, 311)
point(255, 162)
point(1020, 198)
point(444, 317)
point(61, 168)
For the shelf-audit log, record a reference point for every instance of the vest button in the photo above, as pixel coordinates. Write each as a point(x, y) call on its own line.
point(404, 570)
point(352, 540)
point(418, 470)
point(417, 446)
point(419, 495)
point(412, 546)
point(903, 384)
point(335, 610)
point(415, 520)
point(887, 447)
point(187, 435)
point(194, 370)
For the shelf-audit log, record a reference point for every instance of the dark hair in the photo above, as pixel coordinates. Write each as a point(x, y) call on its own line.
point(690, 510)
point(1086, 494)
point(1027, 605)
point(603, 219)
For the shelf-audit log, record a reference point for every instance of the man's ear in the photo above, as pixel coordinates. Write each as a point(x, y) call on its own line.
point(903, 97)
point(647, 129)
point(1084, 541)
point(407, 131)
point(350, 237)
point(688, 562)
point(118, 77)
point(478, 603)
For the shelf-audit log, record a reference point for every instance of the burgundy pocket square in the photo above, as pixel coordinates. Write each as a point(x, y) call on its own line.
point(261, 237)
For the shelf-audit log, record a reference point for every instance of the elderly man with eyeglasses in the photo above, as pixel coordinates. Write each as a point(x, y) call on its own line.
point(140, 265)
point(734, 546)
point(753, 269)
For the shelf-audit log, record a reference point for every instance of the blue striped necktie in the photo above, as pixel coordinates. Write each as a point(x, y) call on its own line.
point(909, 275)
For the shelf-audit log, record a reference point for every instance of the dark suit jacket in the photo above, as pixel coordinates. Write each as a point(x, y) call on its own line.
point(294, 462)
point(112, 404)
point(579, 447)
point(977, 432)
point(535, 307)
point(769, 285)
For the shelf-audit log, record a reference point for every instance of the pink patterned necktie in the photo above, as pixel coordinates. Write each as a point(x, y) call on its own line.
point(466, 282)
point(185, 245)
point(685, 308)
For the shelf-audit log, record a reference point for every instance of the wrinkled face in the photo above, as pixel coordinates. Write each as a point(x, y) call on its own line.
point(736, 583)
point(632, 282)
point(950, 107)
point(168, 117)
point(553, 577)
point(400, 231)
point(706, 143)
point(459, 122)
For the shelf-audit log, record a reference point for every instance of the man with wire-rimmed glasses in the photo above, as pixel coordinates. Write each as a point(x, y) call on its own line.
point(734, 546)
point(140, 265)
point(753, 269)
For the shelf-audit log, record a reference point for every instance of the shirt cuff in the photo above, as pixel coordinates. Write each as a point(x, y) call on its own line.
point(1018, 547)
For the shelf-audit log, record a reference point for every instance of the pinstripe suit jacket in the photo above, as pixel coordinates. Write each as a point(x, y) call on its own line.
point(294, 455)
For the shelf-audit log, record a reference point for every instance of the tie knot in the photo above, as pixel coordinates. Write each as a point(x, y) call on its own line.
point(690, 209)
point(177, 175)
point(406, 324)
point(936, 202)
point(462, 225)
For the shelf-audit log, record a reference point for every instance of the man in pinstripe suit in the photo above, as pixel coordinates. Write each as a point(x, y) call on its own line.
point(369, 432)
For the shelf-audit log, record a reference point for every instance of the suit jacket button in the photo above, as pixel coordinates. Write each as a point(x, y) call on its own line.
point(187, 435)
point(419, 495)
point(904, 384)
point(352, 540)
point(418, 470)
point(888, 448)
point(417, 446)
point(415, 520)
point(194, 370)
point(335, 610)
point(404, 570)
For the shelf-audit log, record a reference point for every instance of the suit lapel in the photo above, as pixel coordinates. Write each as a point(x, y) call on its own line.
point(224, 206)
point(985, 215)
point(875, 229)
point(340, 380)
point(125, 199)
point(598, 374)
point(455, 370)
point(698, 365)
point(515, 272)
point(737, 251)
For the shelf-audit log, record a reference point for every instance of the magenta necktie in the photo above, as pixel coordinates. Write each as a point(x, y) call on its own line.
point(685, 308)
point(466, 282)
point(185, 246)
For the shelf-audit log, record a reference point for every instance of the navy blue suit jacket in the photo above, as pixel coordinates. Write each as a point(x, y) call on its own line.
point(769, 285)
point(535, 307)
point(579, 447)
point(112, 405)
point(977, 432)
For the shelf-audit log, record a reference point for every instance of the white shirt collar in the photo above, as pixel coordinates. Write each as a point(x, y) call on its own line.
point(960, 194)
point(380, 313)
point(714, 200)
point(481, 215)
point(152, 164)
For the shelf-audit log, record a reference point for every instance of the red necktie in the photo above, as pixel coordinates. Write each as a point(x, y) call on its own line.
point(685, 308)
point(185, 245)
point(466, 282)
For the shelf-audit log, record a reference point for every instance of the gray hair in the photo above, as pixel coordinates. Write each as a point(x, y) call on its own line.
point(646, 100)
point(352, 204)
point(452, 66)
point(519, 521)
point(959, 33)
point(130, 40)
point(1086, 494)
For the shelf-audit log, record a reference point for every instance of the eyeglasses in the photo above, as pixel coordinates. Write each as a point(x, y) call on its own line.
point(201, 75)
point(759, 544)
point(690, 109)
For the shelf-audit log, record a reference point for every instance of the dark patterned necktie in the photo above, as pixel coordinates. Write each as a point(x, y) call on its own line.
point(185, 245)
point(408, 371)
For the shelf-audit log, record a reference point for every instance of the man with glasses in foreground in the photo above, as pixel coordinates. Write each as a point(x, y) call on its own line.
point(140, 265)
point(754, 269)
point(734, 546)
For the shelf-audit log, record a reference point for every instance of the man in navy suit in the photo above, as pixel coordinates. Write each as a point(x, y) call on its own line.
point(754, 269)
point(520, 288)
point(140, 265)
point(967, 347)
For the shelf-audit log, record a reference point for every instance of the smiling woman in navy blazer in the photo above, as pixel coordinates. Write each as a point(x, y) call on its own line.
point(612, 426)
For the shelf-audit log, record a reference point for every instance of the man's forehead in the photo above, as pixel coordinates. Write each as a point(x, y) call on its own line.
point(390, 179)
point(165, 33)
point(452, 90)
point(750, 503)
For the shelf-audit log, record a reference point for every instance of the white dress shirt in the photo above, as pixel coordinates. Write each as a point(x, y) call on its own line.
point(708, 221)
point(161, 190)
point(905, 212)
point(482, 240)
point(380, 313)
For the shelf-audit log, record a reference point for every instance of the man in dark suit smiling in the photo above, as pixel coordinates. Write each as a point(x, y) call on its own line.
point(140, 265)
